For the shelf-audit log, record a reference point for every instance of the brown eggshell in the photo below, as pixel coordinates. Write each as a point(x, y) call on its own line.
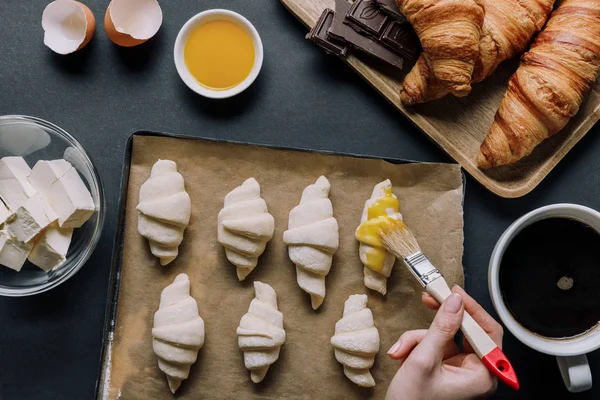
point(118, 38)
point(91, 25)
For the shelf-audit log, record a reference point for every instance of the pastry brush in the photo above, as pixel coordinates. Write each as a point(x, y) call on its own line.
point(399, 241)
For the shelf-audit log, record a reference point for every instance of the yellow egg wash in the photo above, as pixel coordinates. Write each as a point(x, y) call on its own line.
point(368, 231)
point(219, 54)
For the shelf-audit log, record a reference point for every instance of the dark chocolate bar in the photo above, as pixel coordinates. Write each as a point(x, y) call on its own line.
point(318, 35)
point(365, 16)
point(342, 32)
point(390, 7)
point(401, 38)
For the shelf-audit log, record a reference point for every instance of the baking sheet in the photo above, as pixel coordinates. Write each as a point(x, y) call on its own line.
point(431, 202)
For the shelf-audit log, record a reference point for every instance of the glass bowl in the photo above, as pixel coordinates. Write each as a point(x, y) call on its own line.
point(35, 139)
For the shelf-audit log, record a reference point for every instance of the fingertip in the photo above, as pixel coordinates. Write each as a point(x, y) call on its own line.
point(457, 289)
point(429, 301)
point(394, 351)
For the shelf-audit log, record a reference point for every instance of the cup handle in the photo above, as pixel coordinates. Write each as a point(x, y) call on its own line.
point(575, 372)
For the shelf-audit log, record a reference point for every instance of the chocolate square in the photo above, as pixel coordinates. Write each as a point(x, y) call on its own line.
point(341, 31)
point(318, 35)
point(400, 37)
point(390, 7)
point(365, 16)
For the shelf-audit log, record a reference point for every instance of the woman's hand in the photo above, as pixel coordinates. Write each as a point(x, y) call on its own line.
point(431, 365)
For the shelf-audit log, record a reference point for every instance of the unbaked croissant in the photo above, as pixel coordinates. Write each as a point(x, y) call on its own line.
point(261, 334)
point(178, 332)
point(449, 31)
point(245, 227)
point(507, 29)
point(164, 210)
point(378, 263)
point(549, 86)
point(356, 341)
point(312, 238)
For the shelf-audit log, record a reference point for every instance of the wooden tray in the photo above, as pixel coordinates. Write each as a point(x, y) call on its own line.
point(459, 126)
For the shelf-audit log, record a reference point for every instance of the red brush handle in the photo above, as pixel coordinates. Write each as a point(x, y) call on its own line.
point(499, 365)
point(487, 350)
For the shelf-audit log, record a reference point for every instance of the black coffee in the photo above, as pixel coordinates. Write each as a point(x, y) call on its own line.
point(550, 277)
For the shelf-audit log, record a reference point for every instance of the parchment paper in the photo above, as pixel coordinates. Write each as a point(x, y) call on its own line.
point(431, 202)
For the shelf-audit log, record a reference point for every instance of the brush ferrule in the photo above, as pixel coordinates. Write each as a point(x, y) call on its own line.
point(422, 268)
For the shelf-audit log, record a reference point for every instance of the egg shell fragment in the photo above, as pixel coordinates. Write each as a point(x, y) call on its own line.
point(130, 23)
point(68, 26)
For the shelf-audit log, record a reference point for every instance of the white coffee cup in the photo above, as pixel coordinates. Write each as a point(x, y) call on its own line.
point(570, 352)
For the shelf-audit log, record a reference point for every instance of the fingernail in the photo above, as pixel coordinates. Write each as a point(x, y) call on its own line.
point(456, 288)
point(395, 347)
point(453, 304)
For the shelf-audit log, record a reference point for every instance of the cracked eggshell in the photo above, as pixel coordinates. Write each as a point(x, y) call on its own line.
point(68, 26)
point(129, 23)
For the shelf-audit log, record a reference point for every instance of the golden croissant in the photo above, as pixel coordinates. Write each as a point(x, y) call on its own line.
point(507, 29)
point(449, 31)
point(549, 86)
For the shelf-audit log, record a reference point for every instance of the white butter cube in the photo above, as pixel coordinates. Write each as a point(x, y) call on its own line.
point(13, 253)
point(50, 249)
point(64, 190)
point(4, 213)
point(46, 173)
point(15, 189)
point(29, 219)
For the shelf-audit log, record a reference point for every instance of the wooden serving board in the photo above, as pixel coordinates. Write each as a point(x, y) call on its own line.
point(459, 126)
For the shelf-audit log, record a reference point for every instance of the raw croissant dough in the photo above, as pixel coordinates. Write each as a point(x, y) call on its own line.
point(178, 332)
point(313, 238)
point(261, 334)
point(376, 279)
point(164, 210)
point(356, 341)
point(245, 227)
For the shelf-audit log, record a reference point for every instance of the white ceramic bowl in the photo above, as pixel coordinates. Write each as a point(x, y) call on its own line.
point(35, 139)
point(208, 16)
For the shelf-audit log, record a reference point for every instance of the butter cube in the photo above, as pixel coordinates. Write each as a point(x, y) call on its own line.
point(15, 189)
point(45, 173)
point(64, 190)
point(13, 253)
point(4, 213)
point(50, 249)
point(29, 219)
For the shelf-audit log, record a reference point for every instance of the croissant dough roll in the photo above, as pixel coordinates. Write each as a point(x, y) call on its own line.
point(261, 334)
point(549, 86)
point(245, 227)
point(507, 28)
point(178, 332)
point(164, 210)
point(377, 261)
point(449, 31)
point(356, 341)
point(313, 238)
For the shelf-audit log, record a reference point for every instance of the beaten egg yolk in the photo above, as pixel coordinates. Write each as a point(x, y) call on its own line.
point(219, 54)
point(368, 231)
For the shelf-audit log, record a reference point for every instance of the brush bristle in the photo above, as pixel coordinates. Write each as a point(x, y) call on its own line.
point(398, 239)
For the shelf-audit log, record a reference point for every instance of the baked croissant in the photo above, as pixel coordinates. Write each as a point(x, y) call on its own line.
point(377, 261)
point(261, 334)
point(356, 341)
point(178, 332)
point(449, 31)
point(312, 238)
point(507, 29)
point(549, 86)
point(164, 210)
point(245, 227)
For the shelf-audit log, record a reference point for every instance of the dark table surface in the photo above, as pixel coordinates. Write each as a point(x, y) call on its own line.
point(50, 344)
